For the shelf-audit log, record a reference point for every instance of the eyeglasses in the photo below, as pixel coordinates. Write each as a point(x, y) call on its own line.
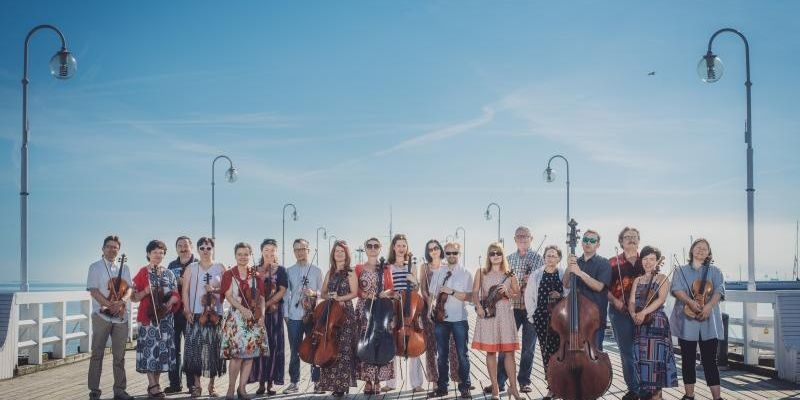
point(630, 237)
point(372, 246)
point(495, 253)
point(451, 253)
point(205, 248)
point(591, 240)
point(520, 237)
point(301, 249)
point(432, 248)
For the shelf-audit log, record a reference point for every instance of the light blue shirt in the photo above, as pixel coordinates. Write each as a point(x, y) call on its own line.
point(292, 307)
point(460, 281)
point(685, 327)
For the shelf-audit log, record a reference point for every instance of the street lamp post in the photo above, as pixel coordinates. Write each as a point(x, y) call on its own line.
point(464, 250)
point(550, 176)
point(710, 69)
point(283, 227)
point(62, 66)
point(329, 248)
point(231, 176)
point(488, 216)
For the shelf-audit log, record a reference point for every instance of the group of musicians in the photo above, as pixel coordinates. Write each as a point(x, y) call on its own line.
point(511, 291)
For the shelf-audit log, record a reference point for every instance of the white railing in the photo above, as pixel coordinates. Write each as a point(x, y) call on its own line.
point(29, 329)
point(758, 332)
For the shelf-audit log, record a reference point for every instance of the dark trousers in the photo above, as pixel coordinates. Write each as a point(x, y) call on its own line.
point(528, 349)
point(708, 356)
point(295, 333)
point(175, 370)
point(459, 331)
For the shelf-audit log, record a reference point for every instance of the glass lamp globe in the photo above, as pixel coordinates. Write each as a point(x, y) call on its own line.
point(231, 175)
point(549, 175)
point(487, 214)
point(63, 65)
point(294, 215)
point(710, 68)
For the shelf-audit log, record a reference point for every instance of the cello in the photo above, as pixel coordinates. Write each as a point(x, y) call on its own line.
point(321, 347)
point(377, 345)
point(578, 370)
point(408, 336)
point(116, 289)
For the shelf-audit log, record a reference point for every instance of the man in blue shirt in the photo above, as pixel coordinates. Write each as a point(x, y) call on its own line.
point(183, 246)
point(594, 276)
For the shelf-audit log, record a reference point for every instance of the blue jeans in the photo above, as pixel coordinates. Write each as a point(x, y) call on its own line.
point(528, 349)
point(623, 332)
point(459, 330)
point(295, 332)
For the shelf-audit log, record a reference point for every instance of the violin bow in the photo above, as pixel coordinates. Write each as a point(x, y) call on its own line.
point(652, 296)
point(153, 299)
point(619, 274)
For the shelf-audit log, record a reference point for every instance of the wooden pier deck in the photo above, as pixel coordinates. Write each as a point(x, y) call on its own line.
point(69, 382)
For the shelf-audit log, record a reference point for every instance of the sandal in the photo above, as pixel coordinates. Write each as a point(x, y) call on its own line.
point(261, 389)
point(196, 392)
point(211, 391)
point(368, 389)
point(157, 395)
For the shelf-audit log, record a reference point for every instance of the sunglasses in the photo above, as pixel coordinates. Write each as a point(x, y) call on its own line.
point(451, 253)
point(590, 240)
point(205, 248)
point(372, 246)
point(495, 253)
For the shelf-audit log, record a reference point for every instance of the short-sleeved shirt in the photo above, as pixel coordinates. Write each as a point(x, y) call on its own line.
point(296, 274)
point(690, 329)
point(169, 287)
point(177, 268)
point(522, 266)
point(460, 280)
point(598, 268)
point(233, 280)
point(621, 267)
point(197, 286)
point(99, 273)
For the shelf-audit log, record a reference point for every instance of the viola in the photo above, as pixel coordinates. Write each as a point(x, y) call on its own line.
point(529, 267)
point(209, 302)
point(158, 299)
point(408, 336)
point(308, 302)
point(251, 298)
point(271, 288)
point(117, 287)
point(377, 345)
point(439, 314)
point(493, 296)
point(702, 290)
point(578, 370)
point(321, 347)
point(650, 295)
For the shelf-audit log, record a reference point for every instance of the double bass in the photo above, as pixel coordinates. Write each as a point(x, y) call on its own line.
point(578, 370)
point(321, 347)
point(377, 345)
point(408, 336)
point(209, 303)
point(116, 289)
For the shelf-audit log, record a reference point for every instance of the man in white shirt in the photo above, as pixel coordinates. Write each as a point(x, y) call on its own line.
point(109, 318)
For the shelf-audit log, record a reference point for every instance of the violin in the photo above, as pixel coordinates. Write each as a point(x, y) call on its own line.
point(321, 347)
point(209, 302)
point(271, 288)
point(493, 296)
point(158, 299)
point(251, 298)
point(702, 290)
point(529, 267)
point(309, 302)
point(377, 346)
point(439, 314)
point(578, 370)
point(651, 295)
point(116, 290)
point(408, 336)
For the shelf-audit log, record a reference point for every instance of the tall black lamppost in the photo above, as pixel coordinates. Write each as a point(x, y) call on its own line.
point(550, 176)
point(283, 227)
point(62, 66)
point(488, 216)
point(230, 175)
point(710, 69)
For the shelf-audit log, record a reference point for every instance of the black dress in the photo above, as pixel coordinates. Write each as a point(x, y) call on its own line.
point(541, 317)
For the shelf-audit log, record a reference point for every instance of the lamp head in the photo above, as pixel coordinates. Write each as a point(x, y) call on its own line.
point(487, 214)
point(231, 175)
point(63, 64)
point(549, 175)
point(294, 215)
point(710, 68)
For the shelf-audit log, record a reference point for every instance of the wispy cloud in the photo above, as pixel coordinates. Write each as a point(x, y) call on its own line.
point(256, 120)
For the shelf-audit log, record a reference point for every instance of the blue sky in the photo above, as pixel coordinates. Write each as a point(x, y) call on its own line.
point(433, 108)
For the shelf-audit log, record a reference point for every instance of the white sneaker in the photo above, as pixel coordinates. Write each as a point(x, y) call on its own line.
point(292, 388)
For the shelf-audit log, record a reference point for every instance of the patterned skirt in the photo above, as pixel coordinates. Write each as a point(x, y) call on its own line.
point(240, 340)
point(155, 346)
point(202, 353)
point(269, 367)
point(653, 355)
point(370, 372)
point(497, 334)
point(341, 375)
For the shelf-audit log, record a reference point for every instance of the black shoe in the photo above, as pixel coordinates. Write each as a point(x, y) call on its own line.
point(488, 389)
point(338, 394)
point(123, 396)
point(173, 389)
point(465, 394)
point(95, 394)
point(437, 393)
point(630, 396)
